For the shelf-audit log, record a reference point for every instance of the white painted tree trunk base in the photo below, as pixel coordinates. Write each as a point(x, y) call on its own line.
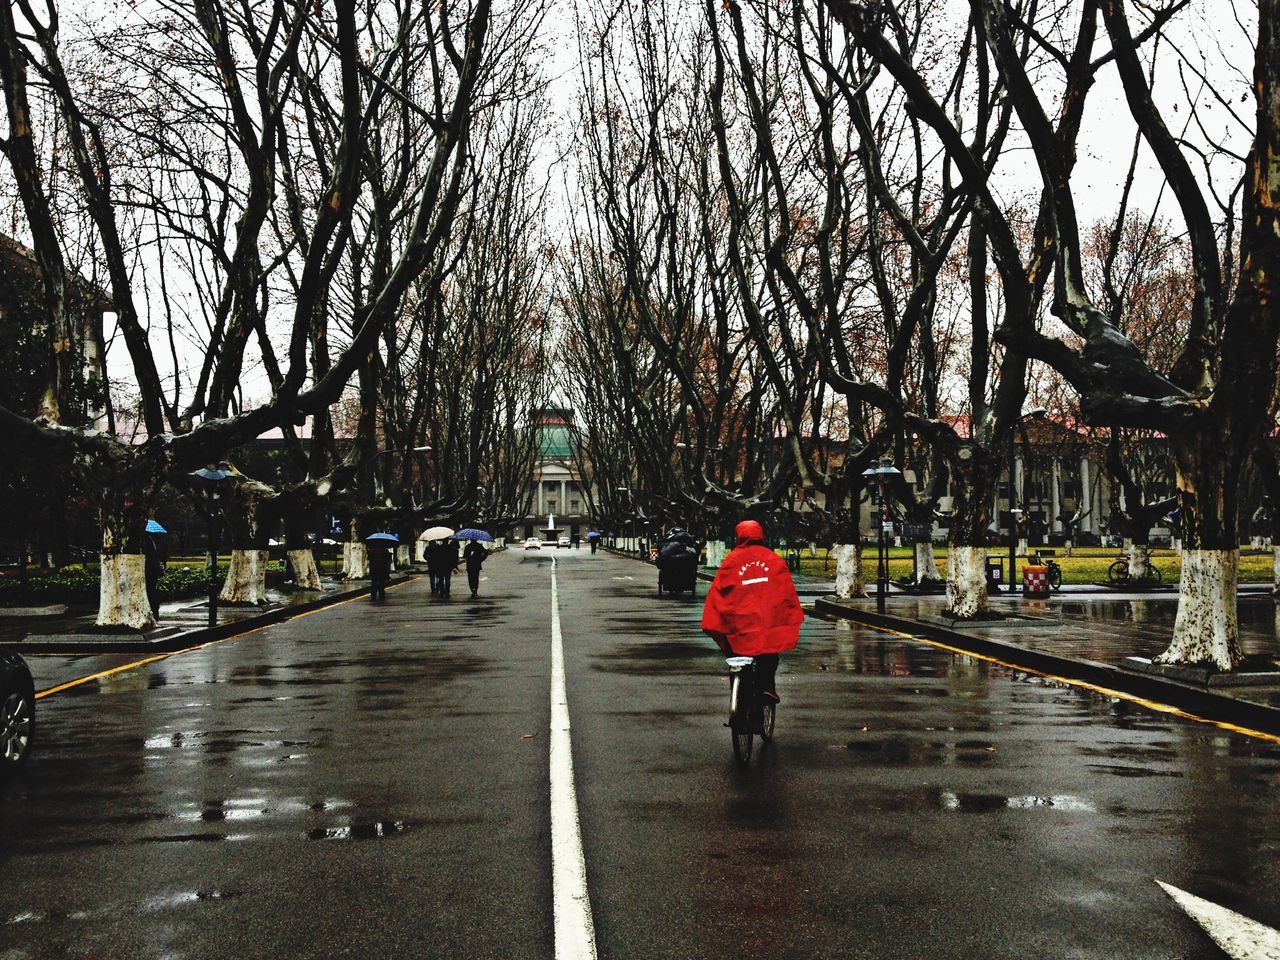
point(403, 558)
point(926, 562)
point(849, 579)
point(122, 592)
point(1139, 555)
point(1275, 569)
point(246, 581)
point(967, 582)
point(355, 561)
point(306, 575)
point(1206, 630)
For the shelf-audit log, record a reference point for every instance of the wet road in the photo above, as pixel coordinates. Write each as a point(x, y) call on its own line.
point(372, 780)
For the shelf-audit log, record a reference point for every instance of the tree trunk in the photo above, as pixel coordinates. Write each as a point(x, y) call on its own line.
point(355, 561)
point(122, 592)
point(966, 547)
point(1139, 554)
point(850, 581)
point(1206, 631)
point(926, 563)
point(402, 556)
point(306, 575)
point(1275, 568)
point(246, 582)
point(967, 582)
point(122, 577)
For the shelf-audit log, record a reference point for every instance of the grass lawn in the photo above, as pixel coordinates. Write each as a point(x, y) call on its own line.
point(1085, 565)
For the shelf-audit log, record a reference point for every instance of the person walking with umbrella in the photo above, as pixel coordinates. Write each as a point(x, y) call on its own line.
point(379, 546)
point(474, 555)
point(437, 539)
point(156, 554)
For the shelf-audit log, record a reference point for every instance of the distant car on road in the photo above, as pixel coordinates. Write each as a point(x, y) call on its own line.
point(562, 542)
point(532, 543)
point(17, 712)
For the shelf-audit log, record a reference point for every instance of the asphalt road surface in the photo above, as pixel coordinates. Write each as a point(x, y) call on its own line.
point(375, 780)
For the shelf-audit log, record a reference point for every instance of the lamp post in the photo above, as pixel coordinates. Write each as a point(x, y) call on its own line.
point(1035, 413)
point(208, 485)
point(881, 475)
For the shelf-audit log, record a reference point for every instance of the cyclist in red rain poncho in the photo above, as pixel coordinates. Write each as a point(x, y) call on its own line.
point(752, 609)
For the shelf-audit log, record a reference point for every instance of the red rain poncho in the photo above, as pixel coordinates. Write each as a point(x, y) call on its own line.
point(752, 607)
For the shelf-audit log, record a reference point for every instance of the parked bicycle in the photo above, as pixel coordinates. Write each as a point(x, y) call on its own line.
point(1118, 573)
point(750, 714)
point(1055, 568)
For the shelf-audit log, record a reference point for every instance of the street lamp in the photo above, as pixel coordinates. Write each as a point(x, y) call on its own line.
point(881, 475)
point(208, 485)
point(1035, 413)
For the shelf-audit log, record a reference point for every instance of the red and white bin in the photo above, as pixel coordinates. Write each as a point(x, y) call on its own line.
point(1035, 581)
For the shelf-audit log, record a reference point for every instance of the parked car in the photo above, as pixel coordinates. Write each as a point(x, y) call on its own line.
point(17, 712)
point(562, 542)
point(532, 543)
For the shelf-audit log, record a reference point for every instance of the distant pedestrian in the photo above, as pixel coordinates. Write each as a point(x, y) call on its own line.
point(474, 556)
point(449, 563)
point(379, 570)
point(435, 565)
point(595, 541)
point(155, 553)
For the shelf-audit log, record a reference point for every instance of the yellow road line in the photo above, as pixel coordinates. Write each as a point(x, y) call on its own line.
point(80, 681)
point(1106, 691)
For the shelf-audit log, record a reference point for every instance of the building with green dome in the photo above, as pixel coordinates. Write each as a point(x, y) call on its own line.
point(558, 507)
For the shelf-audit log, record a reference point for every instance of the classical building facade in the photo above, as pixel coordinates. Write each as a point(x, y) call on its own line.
point(558, 505)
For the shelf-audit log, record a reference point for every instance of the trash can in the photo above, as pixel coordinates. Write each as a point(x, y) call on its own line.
point(995, 573)
point(1035, 580)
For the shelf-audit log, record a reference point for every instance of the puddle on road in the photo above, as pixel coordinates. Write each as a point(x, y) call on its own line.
point(361, 831)
point(988, 802)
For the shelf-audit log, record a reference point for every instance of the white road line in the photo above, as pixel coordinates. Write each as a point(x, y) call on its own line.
point(1239, 937)
point(575, 933)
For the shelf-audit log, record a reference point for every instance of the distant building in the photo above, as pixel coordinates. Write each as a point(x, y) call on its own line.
point(21, 312)
point(559, 506)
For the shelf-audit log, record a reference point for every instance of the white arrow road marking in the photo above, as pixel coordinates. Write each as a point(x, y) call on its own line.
point(1238, 936)
point(575, 932)
point(624, 578)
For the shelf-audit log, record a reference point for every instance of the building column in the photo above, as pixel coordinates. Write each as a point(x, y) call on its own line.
point(1055, 507)
point(1086, 491)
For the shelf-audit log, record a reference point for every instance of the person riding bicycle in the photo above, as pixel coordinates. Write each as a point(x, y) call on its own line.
point(752, 608)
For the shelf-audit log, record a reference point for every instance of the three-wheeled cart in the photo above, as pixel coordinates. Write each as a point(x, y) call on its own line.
point(677, 568)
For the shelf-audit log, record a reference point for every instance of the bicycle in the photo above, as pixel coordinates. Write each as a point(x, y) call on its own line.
point(746, 704)
point(1118, 573)
point(1055, 569)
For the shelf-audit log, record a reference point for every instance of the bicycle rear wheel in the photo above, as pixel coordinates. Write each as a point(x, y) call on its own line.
point(1055, 577)
point(740, 715)
point(1118, 572)
point(767, 716)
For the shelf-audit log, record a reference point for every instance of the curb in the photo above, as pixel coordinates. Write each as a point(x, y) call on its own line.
point(201, 635)
point(1184, 696)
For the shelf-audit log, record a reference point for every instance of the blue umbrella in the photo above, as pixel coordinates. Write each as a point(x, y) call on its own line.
point(154, 527)
point(471, 533)
point(593, 534)
point(383, 537)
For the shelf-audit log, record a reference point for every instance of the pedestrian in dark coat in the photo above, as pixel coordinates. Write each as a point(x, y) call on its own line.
point(451, 558)
point(474, 556)
point(155, 553)
point(379, 570)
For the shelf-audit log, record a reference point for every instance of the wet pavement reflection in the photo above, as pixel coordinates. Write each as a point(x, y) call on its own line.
point(372, 779)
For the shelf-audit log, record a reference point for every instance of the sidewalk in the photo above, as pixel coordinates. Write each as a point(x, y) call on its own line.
point(1088, 635)
point(183, 623)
